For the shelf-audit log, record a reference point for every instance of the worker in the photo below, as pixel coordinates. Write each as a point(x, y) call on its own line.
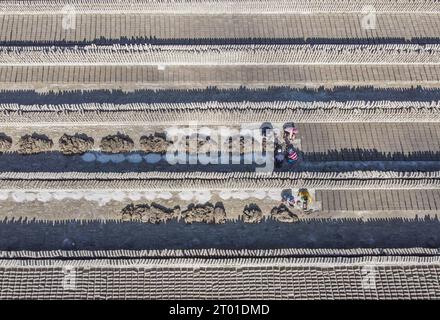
point(290, 132)
point(291, 154)
point(289, 200)
point(306, 198)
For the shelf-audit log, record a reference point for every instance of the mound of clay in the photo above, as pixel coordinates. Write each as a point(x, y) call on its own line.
point(252, 214)
point(283, 214)
point(143, 212)
point(202, 143)
point(76, 144)
point(116, 143)
point(204, 213)
point(134, 212)
point(5, 142)
point(157, 214)
point(34, 143)
point(154, 143)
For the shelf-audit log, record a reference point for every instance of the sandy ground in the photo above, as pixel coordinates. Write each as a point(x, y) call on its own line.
point(106, 205)
point(55, 205)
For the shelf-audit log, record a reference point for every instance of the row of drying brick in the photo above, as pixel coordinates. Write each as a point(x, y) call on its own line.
point(263, 54)
point(190, 180)
point(222, 76)
point(379, 200)
point(370, 141)
point(214, 113)
point(269, 281)
point(90, 27)
point(216, 6)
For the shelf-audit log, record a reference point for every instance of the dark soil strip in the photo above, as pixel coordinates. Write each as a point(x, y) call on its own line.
point(27, 97)
point(57, 162)
point(343, 233)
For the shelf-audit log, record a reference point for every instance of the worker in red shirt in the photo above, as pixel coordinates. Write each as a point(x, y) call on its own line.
point(291, 154)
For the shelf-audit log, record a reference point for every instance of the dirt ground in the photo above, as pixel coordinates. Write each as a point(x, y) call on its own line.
point(95, 208)
point(67, 209)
